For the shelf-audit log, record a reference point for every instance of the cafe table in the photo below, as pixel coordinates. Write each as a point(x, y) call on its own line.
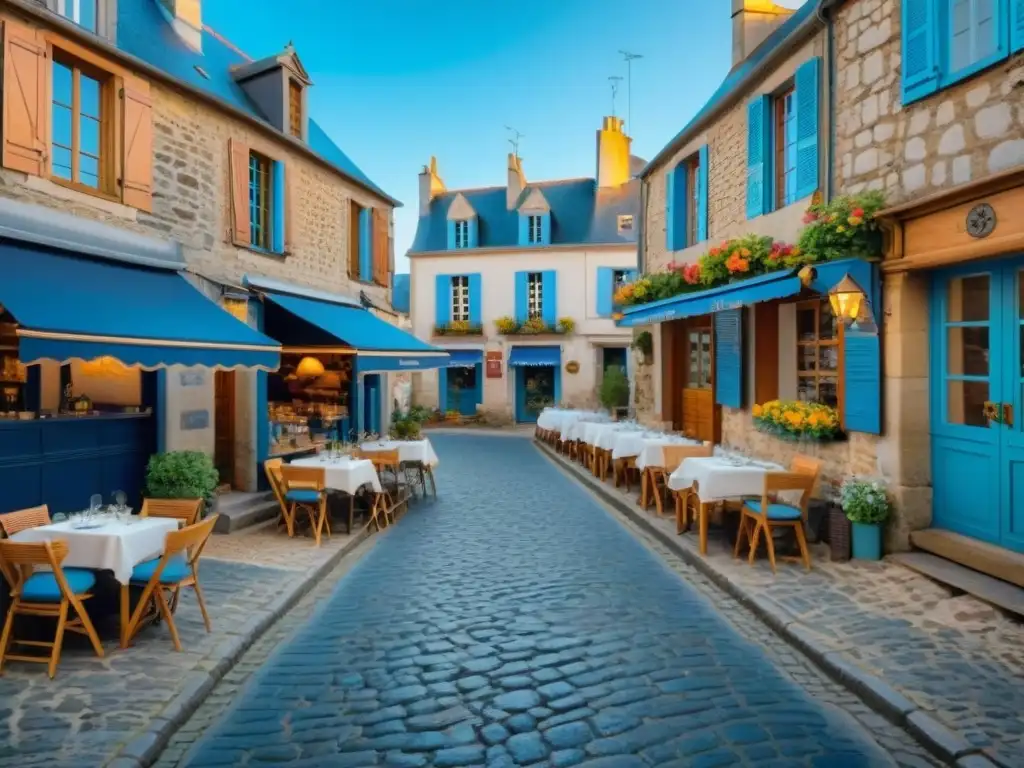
point(409, 451)
point(108, 544)
point(719, 478)
point(343, 473)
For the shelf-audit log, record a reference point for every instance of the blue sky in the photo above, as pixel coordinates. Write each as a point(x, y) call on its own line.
point(396, 81)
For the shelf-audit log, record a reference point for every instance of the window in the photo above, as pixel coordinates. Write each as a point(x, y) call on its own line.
point(973, 32)
point(785, 148)
point(534, 295)
point(817, 354)
point(259, 201)
point(295, 109)
point(692, 199)
point(460, 299)
point(619, 278)
point(699, 363)
point(533, 230)
point(82, 12)
point(78, 118)
point(625, 222)
point(462, 234)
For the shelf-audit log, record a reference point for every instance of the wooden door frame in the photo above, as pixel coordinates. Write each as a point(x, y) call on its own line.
point(225, 383)
point(701, 323)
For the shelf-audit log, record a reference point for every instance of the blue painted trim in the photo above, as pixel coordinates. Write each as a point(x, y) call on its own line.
point(522, 295)
point(160, 411)
point(262, 402)
point(759, 158)
point(549, 297)
point(474, 232)
point(475, 298)
point(442, 389)
point(703, 194)
point(558, 383)
point(729, 358)
point(442, 299)
point(605, 290)
point(280, 206)
point(366, 244)
point(1016, 26)
point(808, 88)
point(451, 235)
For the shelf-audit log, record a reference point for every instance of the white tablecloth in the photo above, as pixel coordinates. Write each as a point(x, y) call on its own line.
point(420, 451)
point(576, 429)
point(561, 421)
point(113, 546)
point(652, 455)
point(608, 433)
point(344, 474)
point(719, 478)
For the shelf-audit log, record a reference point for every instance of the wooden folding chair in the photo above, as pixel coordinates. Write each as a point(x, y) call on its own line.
point(185, 511)
point(49, 593)
point(164, 576)
point(386, 462)
point(303, 488)
point(671, 457)
point(272, 470)
point(23, 519)
point(766, 513)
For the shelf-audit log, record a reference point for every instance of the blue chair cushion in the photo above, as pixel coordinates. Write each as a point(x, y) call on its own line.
point(175, 570)
point(779, 512)
point(303, 496)
point(42, 587)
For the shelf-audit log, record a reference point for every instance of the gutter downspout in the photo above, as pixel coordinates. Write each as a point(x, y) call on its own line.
point(826, 19)
point(641, 240)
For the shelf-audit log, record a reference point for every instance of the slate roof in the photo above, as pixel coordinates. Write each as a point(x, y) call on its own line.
point(737, 76)
point(143, 32)
point(581, 214)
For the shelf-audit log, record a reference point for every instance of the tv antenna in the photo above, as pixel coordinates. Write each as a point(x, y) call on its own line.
point(629, 59)
point(514, 139)
point(614, 81)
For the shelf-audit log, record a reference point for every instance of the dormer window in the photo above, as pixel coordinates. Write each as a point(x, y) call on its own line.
point(294, 108)
point(83, 12)
point(462, 234)
point(534, 229)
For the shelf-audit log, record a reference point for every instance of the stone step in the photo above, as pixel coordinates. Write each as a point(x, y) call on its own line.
point(986, 588)
point(972, 553)
point(239, 509)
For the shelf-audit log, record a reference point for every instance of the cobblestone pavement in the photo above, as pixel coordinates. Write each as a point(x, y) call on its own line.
point(94, 706)
point(515, 622)
point(955, 657)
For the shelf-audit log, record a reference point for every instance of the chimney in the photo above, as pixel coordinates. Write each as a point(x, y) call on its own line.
point(612, 154)
point(752, 22)
point(516, 180)
point(430, 186)
point(186, 19)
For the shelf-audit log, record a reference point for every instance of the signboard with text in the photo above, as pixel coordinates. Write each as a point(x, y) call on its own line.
point(494, 365)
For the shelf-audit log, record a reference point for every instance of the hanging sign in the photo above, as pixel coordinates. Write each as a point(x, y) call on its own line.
point(494, 364)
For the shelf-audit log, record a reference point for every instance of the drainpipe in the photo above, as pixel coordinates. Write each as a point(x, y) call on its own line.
point(641, 246)
point(825, 17)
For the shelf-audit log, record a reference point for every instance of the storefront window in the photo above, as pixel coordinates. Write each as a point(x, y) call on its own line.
point(817, 354)
point(308, 400)
point(12, 372)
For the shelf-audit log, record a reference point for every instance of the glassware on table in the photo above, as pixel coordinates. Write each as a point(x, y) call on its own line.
point(60, 517)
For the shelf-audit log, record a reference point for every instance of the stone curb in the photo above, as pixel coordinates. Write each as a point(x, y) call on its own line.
point(942, 742)
point(144, 749)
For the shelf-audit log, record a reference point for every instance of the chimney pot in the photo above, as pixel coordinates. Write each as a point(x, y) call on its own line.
point(613, 154)
point(752, 22)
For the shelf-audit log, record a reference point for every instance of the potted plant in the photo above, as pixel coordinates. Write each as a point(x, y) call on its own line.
point(644, 344)
point(506, 325)
point(614, 391)
point(182, 475)
point(866, 505)
point(566, 325)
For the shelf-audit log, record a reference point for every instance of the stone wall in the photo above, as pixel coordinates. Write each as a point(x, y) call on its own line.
point(960, 134)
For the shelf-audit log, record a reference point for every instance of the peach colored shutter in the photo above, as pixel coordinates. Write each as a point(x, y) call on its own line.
point(137, 144)
point(26, 99)
point(239, 169)
point(381, 247)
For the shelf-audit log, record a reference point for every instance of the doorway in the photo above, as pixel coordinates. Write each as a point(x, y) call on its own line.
point(463, 389)
point(224, 426)
point(698, 397)
point(535, 391)
point(371, 403)
point(976, 386)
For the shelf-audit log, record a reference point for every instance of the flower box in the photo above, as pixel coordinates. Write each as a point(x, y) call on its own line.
point(508, 326)
point(459, 328)
point(795, 420)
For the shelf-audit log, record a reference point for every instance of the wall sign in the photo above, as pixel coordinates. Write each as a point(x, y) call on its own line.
point(193, 420)
point(981, 220)
point(572, 367)
point(494, 364)
point(193, 378)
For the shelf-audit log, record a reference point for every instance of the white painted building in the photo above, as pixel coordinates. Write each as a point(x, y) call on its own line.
point(517, 281)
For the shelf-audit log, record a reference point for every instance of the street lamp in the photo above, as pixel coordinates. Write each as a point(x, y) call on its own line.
point(846, 298)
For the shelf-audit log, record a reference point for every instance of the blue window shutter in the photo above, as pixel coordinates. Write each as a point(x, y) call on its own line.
point(522, 297)
point(474, 299)
point(366, 244)
point(605, 287)
point(807, 89)
point(279, 207)
point(729, 358)
point(524, 229)
point(758, 162)
point(702, 192)
point(1016, 25)
point(442, 299)
point(632, 275)
point(670, 205)
point(474, 232)
point(920, 36)
point(545, 229)
point(862, 382)
point(549, 297)
point(451, 235)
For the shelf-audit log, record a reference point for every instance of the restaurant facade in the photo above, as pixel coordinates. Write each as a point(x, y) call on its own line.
point(154, 134)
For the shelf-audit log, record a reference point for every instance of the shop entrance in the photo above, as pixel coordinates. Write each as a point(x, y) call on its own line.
point(689, 377)
point(535, 391)
point(976, 380)
point(224, 426)
point(462, 389)
point(371, 403)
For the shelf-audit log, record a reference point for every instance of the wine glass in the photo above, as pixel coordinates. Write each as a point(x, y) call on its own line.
point(120, 501)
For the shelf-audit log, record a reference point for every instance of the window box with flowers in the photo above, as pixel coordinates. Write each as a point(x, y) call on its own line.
point(796, 420)
point(459, 328)
point(535, 326)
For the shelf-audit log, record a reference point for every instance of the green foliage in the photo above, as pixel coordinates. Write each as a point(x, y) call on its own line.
point(865, 501)
point(644, 343)
point(614, 391)
point(845, 228)
point(181, 475)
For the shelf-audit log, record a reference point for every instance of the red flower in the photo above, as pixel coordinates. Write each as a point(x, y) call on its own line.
point(691, 273)
point(858, 212)
point(810, 217)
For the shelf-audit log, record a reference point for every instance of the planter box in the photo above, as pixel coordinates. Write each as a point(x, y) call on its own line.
point(867, 541)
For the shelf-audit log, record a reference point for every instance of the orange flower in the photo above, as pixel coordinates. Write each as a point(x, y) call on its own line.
point(737, 263)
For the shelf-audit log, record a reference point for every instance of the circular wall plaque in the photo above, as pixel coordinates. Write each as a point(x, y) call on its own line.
point(981, 220)
point(572, 367)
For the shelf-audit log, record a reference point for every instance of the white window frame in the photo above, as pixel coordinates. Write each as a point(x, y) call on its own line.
point(534, 229)
point(535, 296)
point(460, 299)
point(76, 12)
point(462, 234)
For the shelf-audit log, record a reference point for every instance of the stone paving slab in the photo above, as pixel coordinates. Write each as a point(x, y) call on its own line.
point(950, 657)
point(96, 708)
point(540, 633)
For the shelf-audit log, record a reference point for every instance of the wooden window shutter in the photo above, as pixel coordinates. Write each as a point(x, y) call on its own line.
point(137, 143)
point(26, 98)
point(238, 160)
point(381, 248)
point(353, 240)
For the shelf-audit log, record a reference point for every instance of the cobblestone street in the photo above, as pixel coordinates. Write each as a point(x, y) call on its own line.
point(512, 622)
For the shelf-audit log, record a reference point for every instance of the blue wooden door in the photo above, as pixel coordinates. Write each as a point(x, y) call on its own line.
point(976, 381)
point(371, 403)
point(535, 391)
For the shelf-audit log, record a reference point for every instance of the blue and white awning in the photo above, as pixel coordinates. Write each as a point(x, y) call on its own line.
point(534, 357)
